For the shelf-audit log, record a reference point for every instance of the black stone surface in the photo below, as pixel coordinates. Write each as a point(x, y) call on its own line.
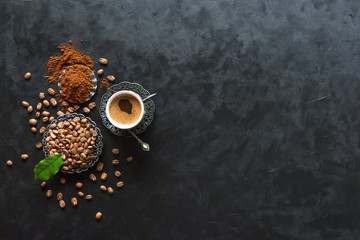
point(256, 132)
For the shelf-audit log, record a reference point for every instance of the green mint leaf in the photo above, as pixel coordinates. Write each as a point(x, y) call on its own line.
point(48, 167)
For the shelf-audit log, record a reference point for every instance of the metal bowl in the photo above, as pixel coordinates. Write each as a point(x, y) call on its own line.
point(98, 142)
point(93, 80)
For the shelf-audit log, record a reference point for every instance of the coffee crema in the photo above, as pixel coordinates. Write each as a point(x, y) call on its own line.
point(125, 109)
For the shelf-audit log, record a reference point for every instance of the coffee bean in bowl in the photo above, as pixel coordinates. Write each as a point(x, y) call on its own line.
point(77, 138)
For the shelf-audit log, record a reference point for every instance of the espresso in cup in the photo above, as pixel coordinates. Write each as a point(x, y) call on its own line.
point(125, 109)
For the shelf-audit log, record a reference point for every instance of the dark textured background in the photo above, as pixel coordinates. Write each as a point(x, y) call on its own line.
point(256, 133)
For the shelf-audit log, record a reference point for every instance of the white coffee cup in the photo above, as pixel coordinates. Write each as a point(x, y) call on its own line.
point(125, 93)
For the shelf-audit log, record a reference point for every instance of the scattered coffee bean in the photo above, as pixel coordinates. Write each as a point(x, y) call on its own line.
point(70, 109)
point(25, 104)
point(27, 76)
point(33, 122)
point(111, 78)
point(103, 188)
point(100, 72)
point(92, 105)
point(76, 107)
point(86, 110)
point(80, 194)
point(30, 109)
point(45, 113)
point(115, 162)
point(38, 106)
point(46, 103)
point(98, 215)
point(33, 129)
point(62, 203)
point(103, 61)
point(64, 104)
point(88, 197)
point(117, 173)
point(110, 190)
point(42, 130)
point(43, 184)
point(120, 184)
point(129, 159)
point(38, 145)
point(24, 156)
point(115, 151)
point(60, 113)
point(37, 114)
point(45, 119)
point(9, 163)
point(74, 201)
point(79, 185)
point(59, 196)
point(51, 91)
point(41, 95)
point(99, 166)
point(103, 176)
point(51, 119)
point(92, 177)
point(48, 193)
point(62, 180)
point(53, 102)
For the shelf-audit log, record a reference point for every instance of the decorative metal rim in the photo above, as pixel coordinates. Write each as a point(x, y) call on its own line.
point(93, 80)
point(98, 142)
point(149, 106)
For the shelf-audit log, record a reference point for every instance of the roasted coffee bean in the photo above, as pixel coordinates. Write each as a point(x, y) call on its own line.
point(129, 159)
point(88, 197)
point(51, 119)
point(103, 176)
point(45, 119)
point(99, 166)
point(45, 113)
point(100, 72)
point(86, 110)
point(120, 184)
point(43, 184)
point(110, 190)
point(48, 193)
point(33, 122)
point(38, 145)
point(53, 102)
point(115, 162)
point(24, 156)
point(98, 215)
point(27, 76)
point(62, 180)
point(60, 113)
point(70, 109)
point(79, 185)
point(92, 177)
point(76, 107)
point(64, 104)
point(33, 129)
point(9, 163)
point(111, 78)
point(51, 91)
point(117, 173)
point(115, 151)
point(41, 95)
point(80, 194)
point(62, 203)
point(103, 188)
point(37, 114)
point(38, 106)
point(59, 196)
point(74, 201)
point(103, 61)
point(46, 103)
point(92, 105)
point(25, 104)
point(30, 109)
